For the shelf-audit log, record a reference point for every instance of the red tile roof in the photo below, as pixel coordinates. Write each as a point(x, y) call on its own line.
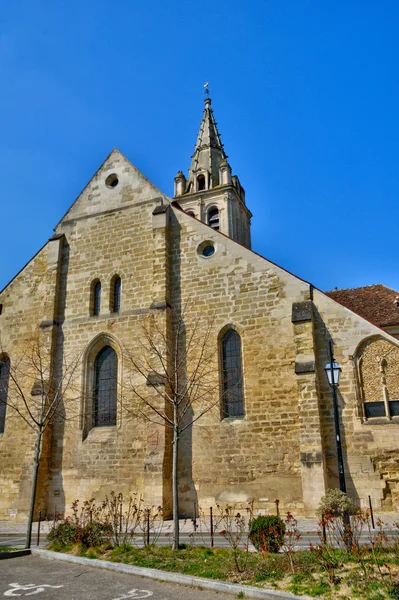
point(376, 303)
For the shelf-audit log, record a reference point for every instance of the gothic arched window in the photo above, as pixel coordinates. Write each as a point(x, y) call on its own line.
point(201, 182)
point(213, 218)
point(96, 297)
point(105, 388)
point(232, 382)
point(4, 377)
point(116, 294)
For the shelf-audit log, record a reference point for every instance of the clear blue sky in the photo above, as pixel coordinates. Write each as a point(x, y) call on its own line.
point(305, 94)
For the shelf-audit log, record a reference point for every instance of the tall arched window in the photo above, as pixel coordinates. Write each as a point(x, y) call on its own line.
point(232, 382)
point(4, 377)
point(96, 297)
point(213, 218)
point(105, 388)
point(116, 294)
point(201, 182)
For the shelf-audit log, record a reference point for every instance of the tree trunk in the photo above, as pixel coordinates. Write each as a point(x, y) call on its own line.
point(34, 487)
point(175, 490)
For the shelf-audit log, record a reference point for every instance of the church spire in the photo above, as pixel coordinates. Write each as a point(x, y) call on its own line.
point(208, 155)
point(211, 193)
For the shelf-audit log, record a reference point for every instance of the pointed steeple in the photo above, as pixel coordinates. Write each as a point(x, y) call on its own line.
point(211, 193)
point(208, 154)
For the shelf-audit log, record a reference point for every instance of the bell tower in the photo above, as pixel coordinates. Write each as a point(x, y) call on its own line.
point(211, 193)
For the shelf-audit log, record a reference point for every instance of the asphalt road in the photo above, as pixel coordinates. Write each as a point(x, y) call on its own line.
point(16, 540)
point(29, 576)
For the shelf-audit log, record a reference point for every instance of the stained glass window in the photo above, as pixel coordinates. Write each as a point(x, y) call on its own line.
point(4, 377)
point(105, 388)
point(97, 298)
point(233, 394)
point(117, 295)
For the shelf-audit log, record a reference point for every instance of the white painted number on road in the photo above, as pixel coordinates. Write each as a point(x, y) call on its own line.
point(135, 594)
point(31, 588)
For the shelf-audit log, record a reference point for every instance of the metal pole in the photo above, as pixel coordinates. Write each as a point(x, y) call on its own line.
point(341, 472)
point(211, 515)
point(340, 459)
point(277, 502)
point(148, 526)
point(38, 528)
point(120, 517)
point(371, 513)
point(195, 517)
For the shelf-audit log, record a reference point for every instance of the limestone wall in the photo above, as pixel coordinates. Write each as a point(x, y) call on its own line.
point(257, 457)
point(284, 446)
point(29, 303)
point(370, 446)
point(91, 462)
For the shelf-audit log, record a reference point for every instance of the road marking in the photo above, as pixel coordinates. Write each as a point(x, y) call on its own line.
point(32, 588)
point(135, 594)
point(12, 540)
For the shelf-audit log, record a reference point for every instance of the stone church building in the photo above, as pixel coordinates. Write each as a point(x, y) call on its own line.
point(125, 254)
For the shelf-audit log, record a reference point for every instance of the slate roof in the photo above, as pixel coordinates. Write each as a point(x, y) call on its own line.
point(376, 303)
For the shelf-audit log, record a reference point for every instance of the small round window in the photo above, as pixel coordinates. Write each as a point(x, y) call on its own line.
point(112, 180)
point(206, 249)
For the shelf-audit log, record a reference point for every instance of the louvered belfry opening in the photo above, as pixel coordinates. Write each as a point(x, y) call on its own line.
point(213, 218)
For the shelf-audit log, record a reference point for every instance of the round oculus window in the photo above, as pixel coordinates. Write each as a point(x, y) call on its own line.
point(206, 249)
point(112, 180)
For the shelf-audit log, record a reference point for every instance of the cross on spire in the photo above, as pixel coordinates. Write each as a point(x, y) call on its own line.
point(207, 89)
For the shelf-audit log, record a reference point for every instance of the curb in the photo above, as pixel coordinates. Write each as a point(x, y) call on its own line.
point(188, 580)
point(14, 554)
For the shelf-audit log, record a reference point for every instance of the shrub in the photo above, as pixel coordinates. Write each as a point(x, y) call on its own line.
point(67, 533)
point(114, 520)
point(336, 504)
point(266, 532)
point(95, 534)
point(64, 532)
point(235, 531)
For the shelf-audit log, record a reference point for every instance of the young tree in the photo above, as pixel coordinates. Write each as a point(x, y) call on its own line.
point(176, 356)
point(37, 386)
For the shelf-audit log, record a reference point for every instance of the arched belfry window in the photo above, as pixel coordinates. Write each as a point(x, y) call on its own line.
point(105, 388)
point(96, 297)
point(201, 182)
point(4, 378)
point(116, 286)
point(213, 218)
point(232, 381)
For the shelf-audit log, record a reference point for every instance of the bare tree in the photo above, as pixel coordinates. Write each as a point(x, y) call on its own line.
point(37, 385)
point(177, 357)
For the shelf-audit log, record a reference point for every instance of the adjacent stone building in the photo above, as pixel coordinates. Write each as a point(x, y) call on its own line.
point(125, 255)
point(377, 303)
